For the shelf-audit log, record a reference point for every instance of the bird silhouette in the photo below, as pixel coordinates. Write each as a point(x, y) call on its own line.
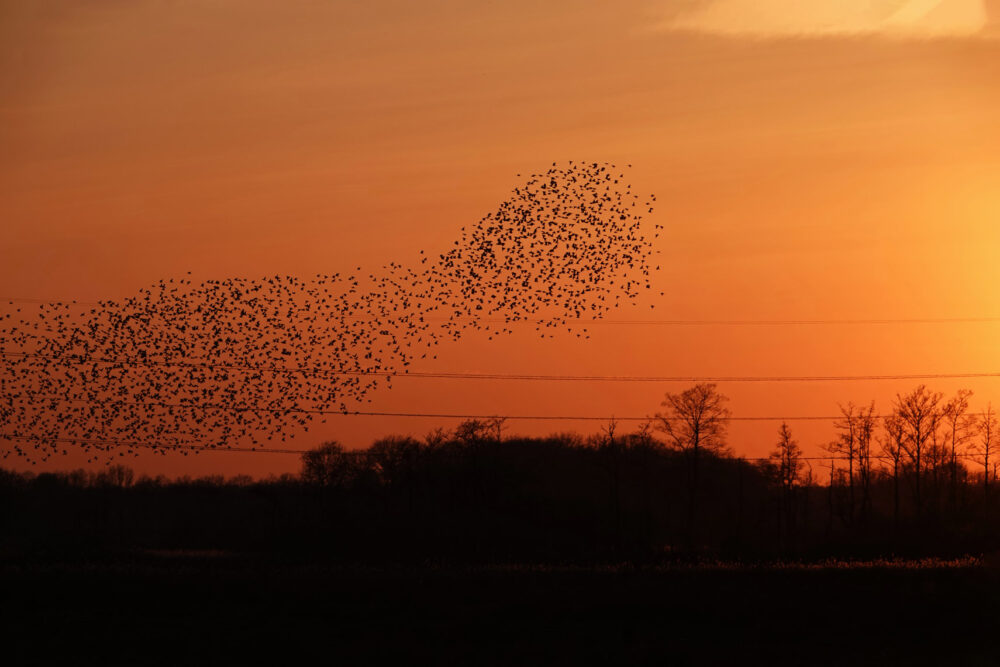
point(226, 361)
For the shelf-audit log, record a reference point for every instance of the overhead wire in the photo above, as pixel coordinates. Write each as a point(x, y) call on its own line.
point(10, 300)
point(444, 375)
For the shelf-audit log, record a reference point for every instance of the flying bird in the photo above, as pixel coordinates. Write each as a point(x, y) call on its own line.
point(221, 362)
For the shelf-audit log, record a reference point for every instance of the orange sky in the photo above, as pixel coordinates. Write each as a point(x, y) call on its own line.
point(802, 171)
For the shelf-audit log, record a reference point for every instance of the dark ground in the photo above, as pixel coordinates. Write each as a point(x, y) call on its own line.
point(177, 609)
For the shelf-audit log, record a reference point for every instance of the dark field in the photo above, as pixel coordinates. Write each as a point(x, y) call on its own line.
point(396, 555)
point(198, 608)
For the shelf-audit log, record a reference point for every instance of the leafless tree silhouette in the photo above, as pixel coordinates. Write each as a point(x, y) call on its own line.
point(920, 414)
point(986, 444)
point(786, 463)
point(695, 422)
point(892, 445)
point(961, 429)
point(848, 444)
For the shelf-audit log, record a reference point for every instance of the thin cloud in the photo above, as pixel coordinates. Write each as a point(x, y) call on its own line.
point(915, 18)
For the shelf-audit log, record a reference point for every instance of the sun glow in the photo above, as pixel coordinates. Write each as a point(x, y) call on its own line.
point(918, 18)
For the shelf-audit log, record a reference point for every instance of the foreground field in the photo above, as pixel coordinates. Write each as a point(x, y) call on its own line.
point(203, 608)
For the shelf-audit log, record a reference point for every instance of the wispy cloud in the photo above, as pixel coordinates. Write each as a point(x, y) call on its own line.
point(917, 18)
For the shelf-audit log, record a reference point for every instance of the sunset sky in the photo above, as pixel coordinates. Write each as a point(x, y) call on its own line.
point(812, 160)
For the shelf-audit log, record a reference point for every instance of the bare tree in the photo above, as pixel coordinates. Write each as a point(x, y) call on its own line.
point(393, 461)
point(985, 446)
point(961, 426)
point(497, 425)
point(866, 422)
point(608, 432)
point(644, 433)
point(611, 452)
point(473, 431)
point(436, 437)
point(847, 444)
point(786, 463)
point(324, 466)
point(892, 448)
point(333, 469)
point(694, 422)
point(116, 476)
point(920, 414)
point(787, 458)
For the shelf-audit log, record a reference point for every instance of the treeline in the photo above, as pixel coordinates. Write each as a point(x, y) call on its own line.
point(916, 481)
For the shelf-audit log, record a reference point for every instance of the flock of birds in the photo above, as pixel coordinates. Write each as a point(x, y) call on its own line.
point(224, 362)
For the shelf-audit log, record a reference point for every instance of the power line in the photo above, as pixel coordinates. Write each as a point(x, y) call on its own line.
point(163, 448)
point(565, 417)
point(79, 359)
point(430, 415)
point(480, 416)
point(705, 378)
point(115, 403)
point(652, 322)
point(804, 322)
point(686, 378)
